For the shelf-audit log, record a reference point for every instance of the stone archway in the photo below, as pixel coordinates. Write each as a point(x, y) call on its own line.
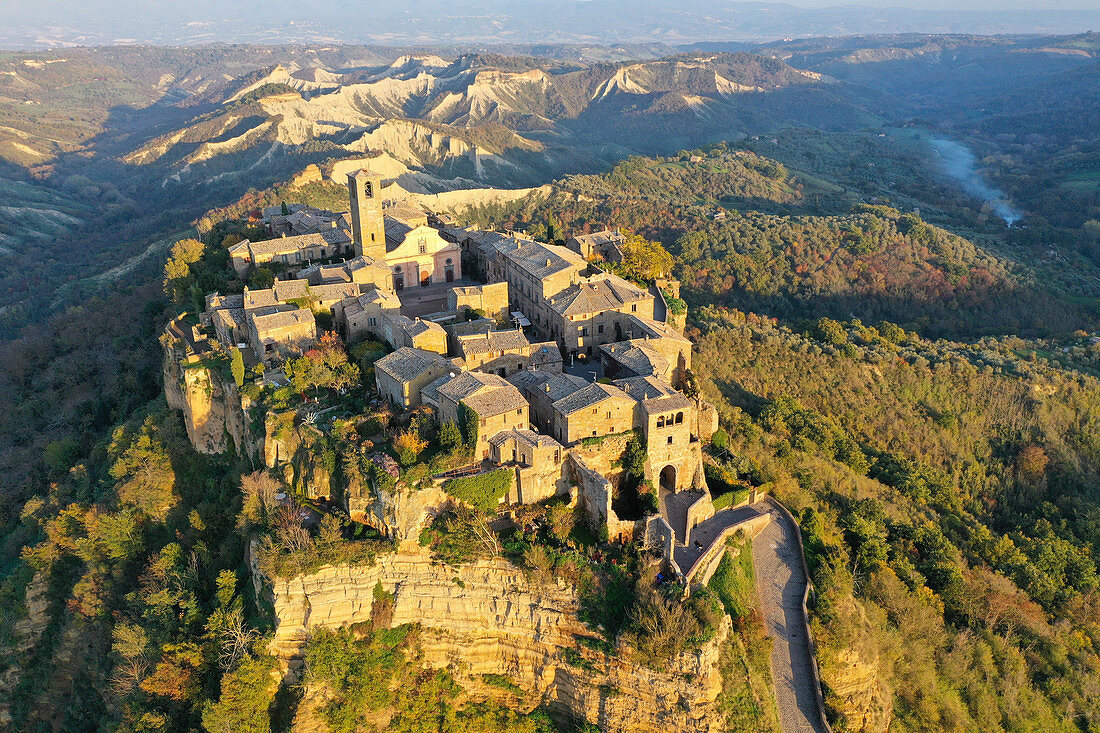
point(668, 478)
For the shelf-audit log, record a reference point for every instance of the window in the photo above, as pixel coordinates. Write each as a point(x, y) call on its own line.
point(449, 261)
point(679, 417)
point(609, 414)
point(374, 321)
point(519, 412)
point(634, 308)
point(584, 330)
point(397, 269)
point(660, 421)
point(601, 328)
point(670, 440)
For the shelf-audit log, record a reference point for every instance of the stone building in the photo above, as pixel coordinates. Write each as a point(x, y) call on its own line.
point(316, 297)
point(289, 251)
point(401, 375)
point(225, 313)
point(537, 461)
point(419, 256)
point(592, 312)
point(592, 411)
point(605, 245)
point(278, 333)
point(506, 352)
point(368, 230)
point(665, 417)
point(499, 405)
point(398, 330)
point(362, 271)
point(542, 388)
point(415, 253)
point(362, 315)
point(491, 299)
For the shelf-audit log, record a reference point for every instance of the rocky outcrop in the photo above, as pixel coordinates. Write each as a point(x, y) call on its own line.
point(856, 691)
point(858, 694)
point(214, 412)
point(489, 618)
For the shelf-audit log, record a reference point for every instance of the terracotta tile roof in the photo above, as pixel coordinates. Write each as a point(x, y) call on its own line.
point(595, 239)
point(406, 363)
point(254, 299)
point(496, 401)
point(290, 289)
point(282, 319)
point(285, 245)
point(512, 340)
point(527, 437)
point(588, 396)
point(638, 358)
point(540, 260)
point(607, 293)
point(643, 327)
point(656, 395)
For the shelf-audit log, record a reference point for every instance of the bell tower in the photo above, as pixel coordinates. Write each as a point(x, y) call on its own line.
point(368, 229)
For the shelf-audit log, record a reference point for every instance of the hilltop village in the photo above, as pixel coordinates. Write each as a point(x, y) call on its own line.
point(556, 371)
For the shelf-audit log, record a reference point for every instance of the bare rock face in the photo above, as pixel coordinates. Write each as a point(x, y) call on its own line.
point(489, 618)
point(857, 692)
point(213, 412)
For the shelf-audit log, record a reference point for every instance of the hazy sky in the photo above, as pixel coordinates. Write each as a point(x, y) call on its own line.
point(39, 23)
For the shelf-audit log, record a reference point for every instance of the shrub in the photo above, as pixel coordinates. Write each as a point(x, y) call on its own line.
point(720, 440)
point(459, 536)
point(450, 437)
point(483, 491)
point(503, 682)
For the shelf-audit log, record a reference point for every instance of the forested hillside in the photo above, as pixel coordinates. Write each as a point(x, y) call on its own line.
point(947, 489)
point(947, 495)
point(872, 261)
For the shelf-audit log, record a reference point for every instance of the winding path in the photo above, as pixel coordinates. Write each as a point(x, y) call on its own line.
point(781, 585)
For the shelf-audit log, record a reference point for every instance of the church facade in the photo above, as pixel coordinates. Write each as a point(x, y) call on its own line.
point(415, 253)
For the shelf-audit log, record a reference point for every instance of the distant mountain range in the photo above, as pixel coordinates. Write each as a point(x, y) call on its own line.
point(67, 22)
point(488, 119)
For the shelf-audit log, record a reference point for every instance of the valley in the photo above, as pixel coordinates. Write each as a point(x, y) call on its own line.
point(875, 258)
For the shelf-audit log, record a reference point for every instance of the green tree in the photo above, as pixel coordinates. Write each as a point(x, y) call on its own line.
point(469, 422)
point(177, 270)
point(143, 469)
point(261, 279)
point(645, 260)
point(236, 365)
point(246, 696)
point(450, 437)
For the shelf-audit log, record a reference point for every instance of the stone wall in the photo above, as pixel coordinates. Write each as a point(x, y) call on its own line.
point(701, 510)
point(490, 618)
point(703, 569)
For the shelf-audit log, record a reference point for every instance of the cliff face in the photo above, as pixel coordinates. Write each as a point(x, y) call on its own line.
point(488, 618)
point(212, 407)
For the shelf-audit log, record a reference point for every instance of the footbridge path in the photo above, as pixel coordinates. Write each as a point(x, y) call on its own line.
point(781, 582)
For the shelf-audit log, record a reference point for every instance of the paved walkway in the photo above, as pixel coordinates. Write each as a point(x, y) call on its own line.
point(780, 582)
point(708, 530)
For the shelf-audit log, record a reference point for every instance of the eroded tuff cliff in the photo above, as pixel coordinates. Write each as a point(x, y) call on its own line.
point(214, 412)
point(490, 618)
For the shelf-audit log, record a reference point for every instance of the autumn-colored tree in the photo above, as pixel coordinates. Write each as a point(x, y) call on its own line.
point(408, 446)
point(645, 260)
point(1031, 463)
point(143, 469)
point(326, 366)
point(177, 270)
